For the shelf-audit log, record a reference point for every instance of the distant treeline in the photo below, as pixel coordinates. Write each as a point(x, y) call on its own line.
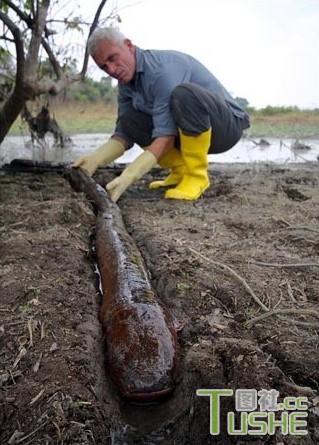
point(95, 91)
point(90, 90)
point(273, 111)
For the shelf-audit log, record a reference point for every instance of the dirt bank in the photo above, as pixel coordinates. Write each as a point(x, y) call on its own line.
point(249, 245)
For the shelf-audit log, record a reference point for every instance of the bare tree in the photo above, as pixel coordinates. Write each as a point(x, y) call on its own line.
point(32, 17)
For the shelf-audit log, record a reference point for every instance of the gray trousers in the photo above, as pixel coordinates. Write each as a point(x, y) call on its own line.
point(194, 111)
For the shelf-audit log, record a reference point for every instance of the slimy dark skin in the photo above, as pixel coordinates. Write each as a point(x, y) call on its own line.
point(140, 336)
point(141, 339)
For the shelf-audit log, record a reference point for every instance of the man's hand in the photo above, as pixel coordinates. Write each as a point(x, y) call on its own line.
point(109, 151)
point(89, 163)
point(118, 186)
point(139, 167)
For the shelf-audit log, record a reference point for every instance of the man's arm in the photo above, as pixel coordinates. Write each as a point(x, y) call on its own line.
point(161, 145)
point(106, 153)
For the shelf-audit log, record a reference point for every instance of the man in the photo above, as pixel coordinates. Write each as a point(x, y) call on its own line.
point(172, 107)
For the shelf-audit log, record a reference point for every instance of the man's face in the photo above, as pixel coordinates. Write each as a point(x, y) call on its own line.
point(116, 59)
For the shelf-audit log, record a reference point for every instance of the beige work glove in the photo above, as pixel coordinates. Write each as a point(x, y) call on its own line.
point(139, 167)
point(105, 154)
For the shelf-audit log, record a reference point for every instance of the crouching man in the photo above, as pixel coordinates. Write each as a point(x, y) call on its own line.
point(170, 105)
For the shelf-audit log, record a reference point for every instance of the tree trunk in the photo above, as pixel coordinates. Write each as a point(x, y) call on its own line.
point(27, 84)
point(9, 112)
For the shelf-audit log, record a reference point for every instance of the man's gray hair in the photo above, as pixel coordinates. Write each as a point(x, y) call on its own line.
point(111, 34)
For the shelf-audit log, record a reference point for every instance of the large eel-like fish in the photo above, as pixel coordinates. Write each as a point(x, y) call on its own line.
point(141, 339)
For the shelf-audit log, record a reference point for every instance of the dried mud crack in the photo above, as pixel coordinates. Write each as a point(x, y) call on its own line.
point(54, 384)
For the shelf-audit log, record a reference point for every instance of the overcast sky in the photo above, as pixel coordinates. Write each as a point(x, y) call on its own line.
point(264, 50)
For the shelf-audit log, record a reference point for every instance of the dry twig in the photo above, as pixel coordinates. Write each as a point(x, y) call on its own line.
point(22, 352)
point(304, 324)
point(37, 397)
point(259, 263)
point(304, 390)
point(313, 313)
point(290, 292)
point(234, 274)
point(42, 330)
point(309, 229)
point(36, 366)
point(30, 332)
point(22, 439)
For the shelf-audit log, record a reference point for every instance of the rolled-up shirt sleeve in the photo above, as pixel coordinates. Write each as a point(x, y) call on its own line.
point(124, 103)
point(166, 80)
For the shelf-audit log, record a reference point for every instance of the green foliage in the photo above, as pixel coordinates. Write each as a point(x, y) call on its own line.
point(7, 73)
point(27, 4)
point(290, 111)
point(4, 8)
point(250, 110)
point(45, 68)
point(90, 90)
point(272, 111)
point(26, 21)
point(75, 23)
point(5, 57)
point(242, 101)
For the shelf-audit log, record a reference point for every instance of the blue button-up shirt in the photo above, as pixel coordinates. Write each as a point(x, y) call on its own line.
point(158, 72)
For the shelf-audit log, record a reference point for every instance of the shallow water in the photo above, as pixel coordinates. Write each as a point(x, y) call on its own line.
point(278, 151)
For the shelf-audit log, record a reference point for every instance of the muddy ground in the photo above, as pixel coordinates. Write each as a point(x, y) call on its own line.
point(249, 246)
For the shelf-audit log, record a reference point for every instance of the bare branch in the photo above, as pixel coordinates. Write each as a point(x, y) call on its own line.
point(309, 312)
point(27, 84)
point(19, 47)
point(260, 263)
point(234, 274)
point(310, 229)
point(62, 80)
point(27, 19)
point(55, 64)
point(94, 25)
point(36, 38)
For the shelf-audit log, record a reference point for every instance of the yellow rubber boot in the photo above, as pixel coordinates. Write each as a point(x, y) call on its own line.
point(194, 150)
point(173, 160)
